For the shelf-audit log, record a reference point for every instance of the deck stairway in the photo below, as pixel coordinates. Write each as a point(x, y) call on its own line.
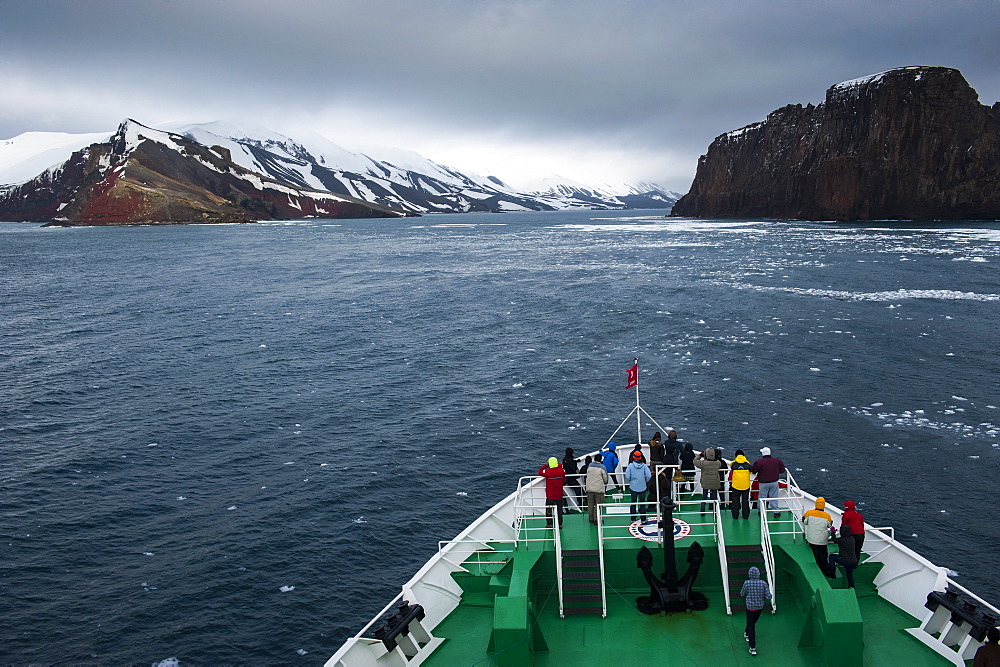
point(582, 582)
point(741, 557)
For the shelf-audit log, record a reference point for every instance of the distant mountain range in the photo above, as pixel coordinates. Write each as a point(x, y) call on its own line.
point(224, 172)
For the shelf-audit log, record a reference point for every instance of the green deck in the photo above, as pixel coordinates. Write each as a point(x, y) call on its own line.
point(515, 607)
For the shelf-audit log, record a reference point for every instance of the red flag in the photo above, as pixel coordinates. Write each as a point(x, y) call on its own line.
point(633, 376)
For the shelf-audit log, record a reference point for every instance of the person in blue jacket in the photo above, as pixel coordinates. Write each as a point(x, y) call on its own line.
point(611, 462)
point(637, 475)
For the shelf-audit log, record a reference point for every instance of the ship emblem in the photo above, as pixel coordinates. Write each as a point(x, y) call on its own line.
point(649, 530)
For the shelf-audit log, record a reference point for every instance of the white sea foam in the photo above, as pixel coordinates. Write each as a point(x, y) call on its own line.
point(843, 295)
point(680, 225)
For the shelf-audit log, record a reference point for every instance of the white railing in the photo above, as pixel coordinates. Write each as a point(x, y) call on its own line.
point(557, 538)
point(720, 540)
point(767, 550)
point(529, 503)
point(600, 559)
point(477, 548)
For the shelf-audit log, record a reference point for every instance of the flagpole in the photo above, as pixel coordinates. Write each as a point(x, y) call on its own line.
point(638, 411)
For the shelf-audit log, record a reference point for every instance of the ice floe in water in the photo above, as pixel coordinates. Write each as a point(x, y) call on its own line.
point(169, 662)
point(302, 651)
point(360, 519)
point(949, 295)
point(231, 507)
point(286, 589)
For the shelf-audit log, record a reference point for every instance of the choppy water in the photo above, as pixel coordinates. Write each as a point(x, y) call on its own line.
point(233, 444)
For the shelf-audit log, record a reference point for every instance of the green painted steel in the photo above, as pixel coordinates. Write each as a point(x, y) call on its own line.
point(509, 615)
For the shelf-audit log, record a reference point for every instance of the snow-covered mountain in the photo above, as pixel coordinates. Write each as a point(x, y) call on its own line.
point(401, 180)
point(28, 155)
point(141, 175)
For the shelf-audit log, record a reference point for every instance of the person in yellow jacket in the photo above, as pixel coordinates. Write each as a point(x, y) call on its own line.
point(739, 485)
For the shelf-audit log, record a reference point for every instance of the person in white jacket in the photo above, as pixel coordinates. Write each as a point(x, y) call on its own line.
point(597, 482)
point(816, 524)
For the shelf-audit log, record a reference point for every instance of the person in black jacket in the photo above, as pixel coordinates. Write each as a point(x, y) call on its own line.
point(687, 469)
point(845, 557)
point(572, 481)
point(671, 449)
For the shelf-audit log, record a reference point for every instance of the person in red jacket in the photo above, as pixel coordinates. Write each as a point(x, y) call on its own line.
point(555, 478)
point(856, 521)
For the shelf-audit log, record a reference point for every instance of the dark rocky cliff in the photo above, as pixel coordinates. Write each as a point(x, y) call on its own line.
point(912, 143)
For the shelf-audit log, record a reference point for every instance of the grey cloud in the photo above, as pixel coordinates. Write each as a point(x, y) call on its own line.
point(667, 75)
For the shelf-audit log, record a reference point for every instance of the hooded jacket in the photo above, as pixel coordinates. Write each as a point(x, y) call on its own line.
point(554, 476)
point(740, 473)
point(853, 518)
point(816, 524)
point(637, 475)
point(755, 590)
point(610, 458)
point(710, 466)
point(845, 546)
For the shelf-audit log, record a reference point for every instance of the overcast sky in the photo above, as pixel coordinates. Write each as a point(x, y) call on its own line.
point(592, 90)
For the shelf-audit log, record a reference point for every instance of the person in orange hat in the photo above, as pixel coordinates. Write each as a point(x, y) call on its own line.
point(637, 475)
point(816, 525)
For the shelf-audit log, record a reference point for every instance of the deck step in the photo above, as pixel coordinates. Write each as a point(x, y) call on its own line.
point(583, 598)
point(583, 610)
point(581, 563)
point(742, 547)
point(759, 558)
point(579, 552)
point(581, 575)
point(582, 585)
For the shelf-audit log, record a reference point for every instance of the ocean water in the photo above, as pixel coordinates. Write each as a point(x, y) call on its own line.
point(232, 444)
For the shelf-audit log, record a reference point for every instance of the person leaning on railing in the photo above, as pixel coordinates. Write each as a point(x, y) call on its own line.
point(597, 482)
point(769, 470)
point(555, 478)
point(739, 485)
point(709, 464)
point(816, 524)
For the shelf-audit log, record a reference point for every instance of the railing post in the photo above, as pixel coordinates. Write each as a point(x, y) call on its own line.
point(600, 557)
point(720, 541)
point(557, 539)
